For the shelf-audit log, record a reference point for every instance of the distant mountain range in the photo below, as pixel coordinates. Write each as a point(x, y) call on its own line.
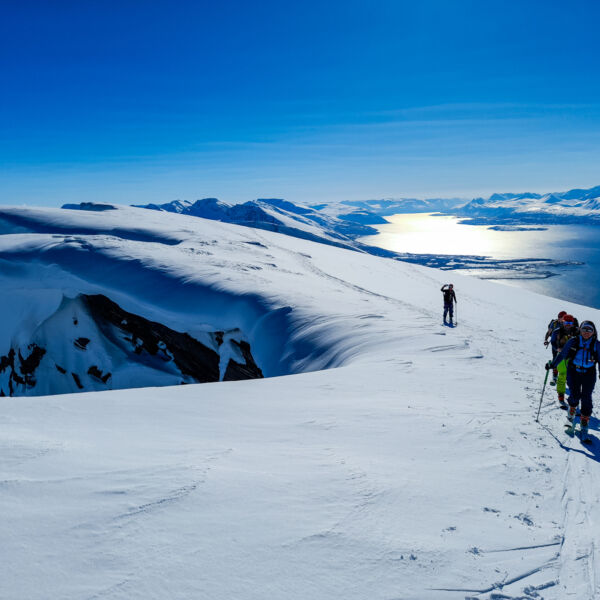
point(580, 206)
point(280, 216)
point(573, 206)
point(342, 223)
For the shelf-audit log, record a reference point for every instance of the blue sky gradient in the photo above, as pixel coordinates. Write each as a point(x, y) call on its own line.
point(138, 101)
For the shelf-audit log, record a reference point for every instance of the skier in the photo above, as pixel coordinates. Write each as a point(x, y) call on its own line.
point(554, 323)
point(560, 336)
point(449, 298)
point(581, 354)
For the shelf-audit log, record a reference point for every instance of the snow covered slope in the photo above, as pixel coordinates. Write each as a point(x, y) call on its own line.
point(274, 214)
point(411, 468)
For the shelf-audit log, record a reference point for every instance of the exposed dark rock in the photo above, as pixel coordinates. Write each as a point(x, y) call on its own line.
point(236, 371)
point(60, 369)
point(93, 206)
point(77, 380)
point(17, 379)
point(31, 363)
point(7, 361)
point(191, 357)
point(95, 372)
point(81, 343)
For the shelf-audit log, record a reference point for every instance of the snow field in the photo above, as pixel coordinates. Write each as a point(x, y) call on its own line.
point(413, 470)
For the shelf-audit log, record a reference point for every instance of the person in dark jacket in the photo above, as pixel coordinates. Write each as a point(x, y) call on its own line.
point(449, 299)
point(581, 354)
point(554, 323)
point(560, 336)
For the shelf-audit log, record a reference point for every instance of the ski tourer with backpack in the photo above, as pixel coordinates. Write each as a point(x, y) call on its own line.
point(581, 354)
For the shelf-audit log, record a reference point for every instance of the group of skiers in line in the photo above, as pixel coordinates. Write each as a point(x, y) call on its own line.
point(575, 352)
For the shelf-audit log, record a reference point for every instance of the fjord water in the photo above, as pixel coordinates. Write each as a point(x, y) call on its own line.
point(426, 233)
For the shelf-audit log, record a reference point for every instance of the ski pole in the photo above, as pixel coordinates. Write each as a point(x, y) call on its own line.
point(456, 313)
point(542, 396)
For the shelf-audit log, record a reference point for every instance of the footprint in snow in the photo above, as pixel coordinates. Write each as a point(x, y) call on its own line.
point(526, 519)
point(491, 510)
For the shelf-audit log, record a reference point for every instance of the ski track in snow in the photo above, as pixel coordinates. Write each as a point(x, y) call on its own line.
point(580, 568)
point(272, 490)
point(574, 557)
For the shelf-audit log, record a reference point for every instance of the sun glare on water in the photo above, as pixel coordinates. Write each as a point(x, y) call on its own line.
point(426, 233)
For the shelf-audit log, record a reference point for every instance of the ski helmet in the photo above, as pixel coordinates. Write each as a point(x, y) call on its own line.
point(562, 313)
point(588, 326)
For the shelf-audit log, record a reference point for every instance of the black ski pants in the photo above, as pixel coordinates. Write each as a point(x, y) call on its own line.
point(581, 385)
point(448, 308)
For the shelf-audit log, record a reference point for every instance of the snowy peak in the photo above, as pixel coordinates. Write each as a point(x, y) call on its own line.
point(512, 196)
point(276, 215)
point(551, 199)
point(214, 209)
point(574, 206)
point(286, 206)
point(579, 194)
point(388, 206)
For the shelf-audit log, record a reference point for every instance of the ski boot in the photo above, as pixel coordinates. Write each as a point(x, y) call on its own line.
point(570, 425)
point(584, 434)
point(561, 402)
point(554, 377)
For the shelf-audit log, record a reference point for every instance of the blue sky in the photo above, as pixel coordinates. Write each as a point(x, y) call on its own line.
point(137, 101)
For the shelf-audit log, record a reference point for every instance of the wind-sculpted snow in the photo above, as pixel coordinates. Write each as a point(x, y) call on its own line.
point(52, 221)
point(186, 273)
point(414, 469)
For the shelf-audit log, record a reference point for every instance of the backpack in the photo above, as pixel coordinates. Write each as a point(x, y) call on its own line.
point(564, 336)
point(577, 346)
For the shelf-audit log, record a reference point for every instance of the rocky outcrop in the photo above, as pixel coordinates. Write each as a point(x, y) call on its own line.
point(191, 357)
point(91, 343)
point(247, 370)
point(91, 206)
point(22, 374)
